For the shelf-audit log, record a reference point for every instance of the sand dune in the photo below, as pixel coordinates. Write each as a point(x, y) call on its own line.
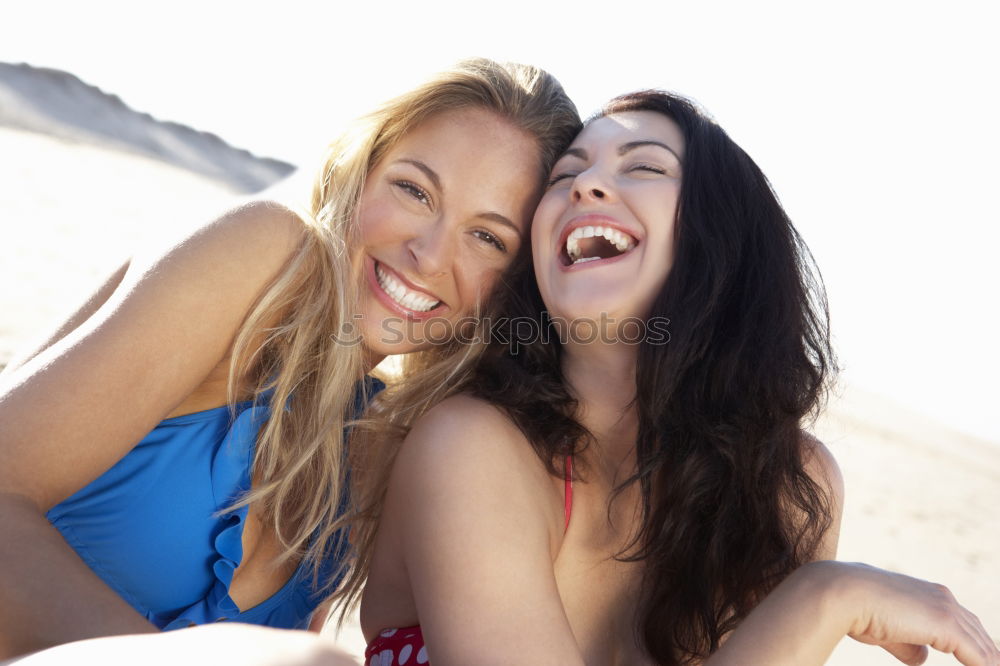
point(58, 104)
point(921, 498)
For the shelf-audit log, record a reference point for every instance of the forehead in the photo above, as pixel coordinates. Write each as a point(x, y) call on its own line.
point(619, 128)
point(449, 135)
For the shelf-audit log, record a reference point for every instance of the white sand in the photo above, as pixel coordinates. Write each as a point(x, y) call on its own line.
point(920, 498)
point(71, 213)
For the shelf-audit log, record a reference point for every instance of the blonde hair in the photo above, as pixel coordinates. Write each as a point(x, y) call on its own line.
point(299, 470)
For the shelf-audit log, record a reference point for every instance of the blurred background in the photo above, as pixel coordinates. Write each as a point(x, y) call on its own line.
point(876, 123)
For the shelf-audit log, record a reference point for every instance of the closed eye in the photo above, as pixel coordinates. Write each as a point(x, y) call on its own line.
point(559, 177)
point(648, 168)
point(414, 190)
point(489, 238)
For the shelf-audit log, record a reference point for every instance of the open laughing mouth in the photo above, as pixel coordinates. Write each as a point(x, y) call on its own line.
point(397, 295)
point(586, 244)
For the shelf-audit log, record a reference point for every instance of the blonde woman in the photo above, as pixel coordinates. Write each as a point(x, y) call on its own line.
point(147, 482)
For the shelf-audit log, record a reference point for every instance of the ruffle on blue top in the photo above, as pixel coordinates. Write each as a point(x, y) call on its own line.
point(174, 484)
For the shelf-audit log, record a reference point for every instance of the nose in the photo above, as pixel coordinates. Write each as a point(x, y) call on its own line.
point(432, 250)
point(590, 186)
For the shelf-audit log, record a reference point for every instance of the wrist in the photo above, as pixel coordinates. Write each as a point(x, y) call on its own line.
point(799, 623)
point(835, 587)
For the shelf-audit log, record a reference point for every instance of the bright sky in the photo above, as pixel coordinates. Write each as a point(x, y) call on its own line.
point(876, 122)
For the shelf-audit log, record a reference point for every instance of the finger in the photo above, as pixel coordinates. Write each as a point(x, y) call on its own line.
point(978, 632)
point(977, 644)
point(961, 641)
point(992, 646)
point(909, 654)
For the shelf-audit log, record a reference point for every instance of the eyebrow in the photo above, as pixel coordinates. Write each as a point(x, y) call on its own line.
point(632, 145)
point(429, 172)
point(497, 217)
point(624, 148)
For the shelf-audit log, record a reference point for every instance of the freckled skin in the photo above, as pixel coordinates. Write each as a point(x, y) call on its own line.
point(441, 237)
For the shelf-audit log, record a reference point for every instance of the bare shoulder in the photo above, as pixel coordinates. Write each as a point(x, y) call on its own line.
point(823, 469)
point(470, 432)
point(467, 449)
point(257, 230)
point(465, 411)
point(271, 218)
point(821, 465)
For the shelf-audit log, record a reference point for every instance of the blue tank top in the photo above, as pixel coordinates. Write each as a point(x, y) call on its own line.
point(150, 526)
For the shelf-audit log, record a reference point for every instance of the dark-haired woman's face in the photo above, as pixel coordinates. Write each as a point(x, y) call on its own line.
point(603, 233)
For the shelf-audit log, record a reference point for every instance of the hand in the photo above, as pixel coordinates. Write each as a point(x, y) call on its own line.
point(905, 615)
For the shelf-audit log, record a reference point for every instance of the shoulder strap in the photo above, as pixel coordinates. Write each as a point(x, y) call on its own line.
point(568, 498)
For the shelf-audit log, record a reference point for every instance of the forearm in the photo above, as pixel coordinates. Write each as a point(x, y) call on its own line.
point(798, 624)
point(48, 595)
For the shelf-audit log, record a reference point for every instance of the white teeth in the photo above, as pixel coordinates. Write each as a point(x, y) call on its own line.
point(622, 241)
point(573, 246)
point(407, 298)
point(585, 260)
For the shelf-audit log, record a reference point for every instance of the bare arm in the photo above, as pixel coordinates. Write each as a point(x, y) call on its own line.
point(474, 512)
point(801, 622)
point(822, 467)
point(77, 407)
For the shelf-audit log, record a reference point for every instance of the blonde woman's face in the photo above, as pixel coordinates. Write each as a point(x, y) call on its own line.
point(441, 216)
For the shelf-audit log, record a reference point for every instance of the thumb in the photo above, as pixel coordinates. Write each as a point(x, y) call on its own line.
point(908, 653)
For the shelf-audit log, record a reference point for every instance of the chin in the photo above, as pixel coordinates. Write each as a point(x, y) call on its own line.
point(590, 310)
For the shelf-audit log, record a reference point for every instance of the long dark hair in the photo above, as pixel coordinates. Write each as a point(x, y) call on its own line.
point(728, 509)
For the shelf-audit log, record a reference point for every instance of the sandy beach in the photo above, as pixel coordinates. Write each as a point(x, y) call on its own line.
point(921, 499)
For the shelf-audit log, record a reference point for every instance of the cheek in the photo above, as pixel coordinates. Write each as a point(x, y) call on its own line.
point(376, 223)
point(475, 286)
point(548, 211)
point(660, 259)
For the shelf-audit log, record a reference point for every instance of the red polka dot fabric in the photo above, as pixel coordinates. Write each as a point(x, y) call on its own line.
point(397, 647)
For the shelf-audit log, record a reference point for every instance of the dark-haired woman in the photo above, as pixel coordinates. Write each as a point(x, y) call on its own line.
point(624, 478)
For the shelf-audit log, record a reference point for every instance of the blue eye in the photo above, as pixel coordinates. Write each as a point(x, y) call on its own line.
point(487, 237)
point(414, 190)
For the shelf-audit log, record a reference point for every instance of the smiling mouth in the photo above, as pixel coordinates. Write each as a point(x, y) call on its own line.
point(402, 295)
point(593, 243)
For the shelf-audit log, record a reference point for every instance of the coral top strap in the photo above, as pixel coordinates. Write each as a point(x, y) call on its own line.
point(568, 499)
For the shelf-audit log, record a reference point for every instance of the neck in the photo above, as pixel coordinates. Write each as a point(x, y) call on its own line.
point(602, 378)
point(370, 359)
